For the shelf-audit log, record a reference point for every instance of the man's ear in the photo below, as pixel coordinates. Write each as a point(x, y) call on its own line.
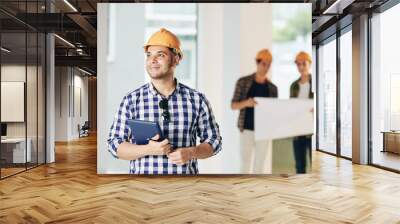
point(177, 59)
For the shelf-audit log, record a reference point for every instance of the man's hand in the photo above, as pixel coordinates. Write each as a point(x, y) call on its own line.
point(181, 155)
point(159, 148)
point(250, 102)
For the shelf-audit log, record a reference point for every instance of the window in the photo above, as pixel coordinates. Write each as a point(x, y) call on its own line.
point(181, 19)
point(22, 65)
point(327, 97)
point(385, 88)
point(394, 101)
point(291, 33)
point(346, 94)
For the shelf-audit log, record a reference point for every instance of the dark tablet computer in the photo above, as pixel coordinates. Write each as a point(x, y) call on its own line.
point(143, 131)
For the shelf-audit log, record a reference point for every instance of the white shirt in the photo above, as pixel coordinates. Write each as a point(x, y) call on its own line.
point(304, 90)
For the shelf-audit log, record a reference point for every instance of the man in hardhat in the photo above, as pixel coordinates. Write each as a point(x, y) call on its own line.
point(301, 88)
point(248, 87)
point(182, 113)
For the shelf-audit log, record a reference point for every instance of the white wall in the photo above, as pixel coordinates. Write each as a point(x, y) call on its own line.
point(79, 117)
point(66, 121)
point(12, 73)
point(255, 32)
point(314, 88)
point(119, 71)
point(34, 123)
point(227, 46)
point(61, 104)
point(210, 66)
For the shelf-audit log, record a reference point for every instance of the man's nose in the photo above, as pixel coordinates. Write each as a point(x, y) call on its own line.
point(152, 59)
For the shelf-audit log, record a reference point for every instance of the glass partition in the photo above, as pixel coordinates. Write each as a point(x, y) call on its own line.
point(22, 88)
point(13, 95)
point(346, 94)
point(327, 97)
point(385, 89)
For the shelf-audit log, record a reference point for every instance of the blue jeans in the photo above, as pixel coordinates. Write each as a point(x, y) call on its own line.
point(302, 148)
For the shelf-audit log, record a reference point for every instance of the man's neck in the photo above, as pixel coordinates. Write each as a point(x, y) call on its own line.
point(260, 77)
point(304, 78)
point(164, 86)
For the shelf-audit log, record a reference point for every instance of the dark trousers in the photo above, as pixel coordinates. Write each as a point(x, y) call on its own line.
point(302, 148)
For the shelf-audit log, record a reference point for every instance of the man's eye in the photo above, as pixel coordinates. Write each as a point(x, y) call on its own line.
point(161, 55)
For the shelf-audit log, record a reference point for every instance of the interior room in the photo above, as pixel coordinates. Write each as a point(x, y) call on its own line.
point(201, 69)
point(54, 119)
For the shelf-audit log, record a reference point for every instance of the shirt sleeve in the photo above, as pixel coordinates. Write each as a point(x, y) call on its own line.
point(208, 128)
point(119, 131)
point(238, 92)
point(275, 94)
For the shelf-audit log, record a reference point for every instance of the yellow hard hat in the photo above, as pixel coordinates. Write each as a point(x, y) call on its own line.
point(264, 55)
point(303, 56)
point(165, 38)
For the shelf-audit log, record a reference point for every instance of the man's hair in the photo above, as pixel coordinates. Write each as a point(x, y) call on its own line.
point(175, 52)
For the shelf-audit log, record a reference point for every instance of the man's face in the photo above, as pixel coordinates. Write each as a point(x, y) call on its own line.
point(263, 66)
point(303, 66)
point(160, 62)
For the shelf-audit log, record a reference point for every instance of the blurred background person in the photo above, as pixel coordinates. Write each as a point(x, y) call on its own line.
point(248, 87)
point(301, 88)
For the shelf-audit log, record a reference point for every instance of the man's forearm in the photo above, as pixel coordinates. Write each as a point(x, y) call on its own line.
point(238, 105)
point(129, 151)
point(203, 151)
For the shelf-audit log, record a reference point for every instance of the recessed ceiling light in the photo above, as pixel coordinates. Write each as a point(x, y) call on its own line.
point(84, 71)
point(64, 40)
point(5, 49)
point(70, 5)
point(337, 7)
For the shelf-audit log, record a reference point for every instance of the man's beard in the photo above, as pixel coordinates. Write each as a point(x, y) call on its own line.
point(158, 75)
point(163, 75)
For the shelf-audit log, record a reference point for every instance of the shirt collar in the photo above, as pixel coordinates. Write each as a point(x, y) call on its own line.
point(266, 81)
point(154, 91)
point(309, 80)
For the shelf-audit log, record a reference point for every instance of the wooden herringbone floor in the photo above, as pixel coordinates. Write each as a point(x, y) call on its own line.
point(70, 191)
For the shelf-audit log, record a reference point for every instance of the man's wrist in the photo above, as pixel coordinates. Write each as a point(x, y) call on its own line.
point(242, 104)
point(147, 150)
point(192, 153)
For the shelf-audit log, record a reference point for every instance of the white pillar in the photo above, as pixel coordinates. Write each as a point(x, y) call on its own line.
point(50, 99)
point(360, 90)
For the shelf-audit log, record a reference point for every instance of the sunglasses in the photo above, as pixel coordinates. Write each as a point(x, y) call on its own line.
point(163, 104)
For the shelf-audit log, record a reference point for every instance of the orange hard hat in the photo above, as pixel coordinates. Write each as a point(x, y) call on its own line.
point(264, 55)
point(165, 38)
point(303, 56)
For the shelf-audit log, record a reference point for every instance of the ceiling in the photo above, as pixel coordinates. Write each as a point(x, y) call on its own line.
point(76, 22)
point(329, 16)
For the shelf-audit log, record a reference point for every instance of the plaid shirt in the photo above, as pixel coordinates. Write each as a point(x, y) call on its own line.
point(191, 116)
point(242, 88)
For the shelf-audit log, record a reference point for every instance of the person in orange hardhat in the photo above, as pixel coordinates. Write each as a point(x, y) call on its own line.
point(256, 84)
point(163, 41)
point(182, 113)
point(301, 88)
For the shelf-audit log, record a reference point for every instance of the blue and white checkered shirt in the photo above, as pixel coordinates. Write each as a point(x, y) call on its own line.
point(191, 116)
